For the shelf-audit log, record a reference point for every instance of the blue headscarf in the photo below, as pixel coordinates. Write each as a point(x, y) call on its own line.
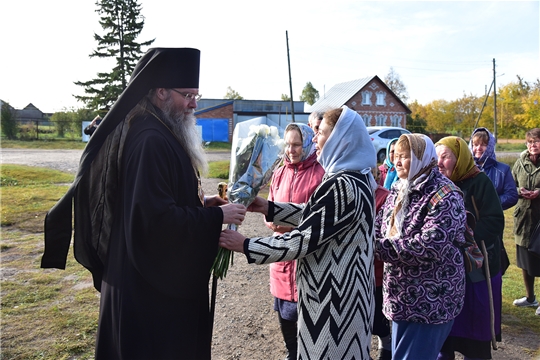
point(391, 175)
point(307, 134)
point(490, 149)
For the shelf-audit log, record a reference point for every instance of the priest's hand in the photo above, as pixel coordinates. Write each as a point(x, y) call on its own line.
point(232, 240)
point(233, 213)
point(259, 205)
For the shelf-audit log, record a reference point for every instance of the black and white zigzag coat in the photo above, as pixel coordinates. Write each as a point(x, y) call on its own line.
point(333, 243)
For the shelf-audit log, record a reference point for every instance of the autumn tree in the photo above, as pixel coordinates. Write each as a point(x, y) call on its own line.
point(416, 121)
point(122, 23)
point(465, 111)
point(309, 94)
point(393, 81)
point(232, 94)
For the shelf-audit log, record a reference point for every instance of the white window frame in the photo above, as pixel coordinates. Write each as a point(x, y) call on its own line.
point(366, 97)
point(381, 95)
point(367, 119)
point(395, 120)
point(380, 120)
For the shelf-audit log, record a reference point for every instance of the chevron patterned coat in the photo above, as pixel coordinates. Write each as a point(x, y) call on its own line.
point(334, 247)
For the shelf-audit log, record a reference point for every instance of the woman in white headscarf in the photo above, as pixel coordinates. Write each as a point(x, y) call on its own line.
point(418, 232)
point(332, 241)
point(295, 181)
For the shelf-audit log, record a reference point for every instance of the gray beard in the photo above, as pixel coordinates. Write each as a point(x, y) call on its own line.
point(184, 126)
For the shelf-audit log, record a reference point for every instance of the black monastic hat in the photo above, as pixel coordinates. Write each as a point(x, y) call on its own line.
point(158, 68)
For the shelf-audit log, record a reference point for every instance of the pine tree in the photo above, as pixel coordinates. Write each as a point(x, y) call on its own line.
point(122, 22)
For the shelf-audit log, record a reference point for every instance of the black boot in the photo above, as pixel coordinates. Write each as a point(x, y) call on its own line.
point(289, 331)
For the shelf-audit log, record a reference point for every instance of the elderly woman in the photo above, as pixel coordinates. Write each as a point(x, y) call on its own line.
point(332, 240)
point(526, 173)
point(471, 333)
point(424, 274)
point(295, 181)
point(482, 146)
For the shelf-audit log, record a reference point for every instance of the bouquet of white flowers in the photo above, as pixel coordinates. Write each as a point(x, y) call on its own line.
point(256, 152)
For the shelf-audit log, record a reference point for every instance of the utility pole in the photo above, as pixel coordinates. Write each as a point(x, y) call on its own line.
point(290, 79)
point(494, 104)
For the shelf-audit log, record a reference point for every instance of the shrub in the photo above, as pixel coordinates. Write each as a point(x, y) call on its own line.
point(8, 121)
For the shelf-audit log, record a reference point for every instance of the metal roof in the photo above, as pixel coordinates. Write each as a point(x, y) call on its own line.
point(339, 94)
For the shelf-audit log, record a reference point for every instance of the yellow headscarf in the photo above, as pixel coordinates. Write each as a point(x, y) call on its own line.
point(465, 166)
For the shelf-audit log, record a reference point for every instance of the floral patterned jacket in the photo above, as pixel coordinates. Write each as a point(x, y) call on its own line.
point(424, 276)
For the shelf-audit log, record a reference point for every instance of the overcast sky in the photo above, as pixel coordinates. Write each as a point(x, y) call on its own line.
point(441, 50)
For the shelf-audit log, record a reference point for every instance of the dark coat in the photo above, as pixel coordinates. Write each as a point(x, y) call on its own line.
point(490, 217)
point(154, 301)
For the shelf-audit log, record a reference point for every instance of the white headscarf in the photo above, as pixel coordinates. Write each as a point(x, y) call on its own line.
point(423, 159)
point(349, 147)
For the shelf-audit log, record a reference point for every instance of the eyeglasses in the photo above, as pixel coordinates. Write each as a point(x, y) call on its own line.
point(533, 142)
point(189, 96)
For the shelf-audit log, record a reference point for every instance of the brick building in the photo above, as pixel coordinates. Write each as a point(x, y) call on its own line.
point(371, 98)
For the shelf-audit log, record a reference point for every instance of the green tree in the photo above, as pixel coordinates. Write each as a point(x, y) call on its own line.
point(393, 81)
point(62, 121)
point(122, 23)
point(285, 97)
point(232, 94)
point(8, 121)
point(309, 94)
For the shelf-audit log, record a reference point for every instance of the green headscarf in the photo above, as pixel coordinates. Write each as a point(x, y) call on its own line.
point(465, 166)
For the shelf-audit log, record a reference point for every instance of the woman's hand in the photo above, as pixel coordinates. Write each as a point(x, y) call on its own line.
point(281, 229)
point(529, 194)
point(232, 240)
point(259, 205)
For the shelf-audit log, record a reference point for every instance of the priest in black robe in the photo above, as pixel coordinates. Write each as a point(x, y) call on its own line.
point(143, 226)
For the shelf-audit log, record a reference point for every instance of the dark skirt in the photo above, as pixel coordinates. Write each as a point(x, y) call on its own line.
point(527, 261)
point(471, 332)
point(288, 310)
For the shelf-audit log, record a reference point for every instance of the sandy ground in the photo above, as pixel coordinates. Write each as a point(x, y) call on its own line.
point(245, 326)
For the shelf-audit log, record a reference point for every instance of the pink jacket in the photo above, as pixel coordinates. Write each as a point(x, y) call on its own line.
point(291, 183)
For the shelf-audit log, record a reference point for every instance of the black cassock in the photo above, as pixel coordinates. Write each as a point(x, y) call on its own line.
point(154, 293)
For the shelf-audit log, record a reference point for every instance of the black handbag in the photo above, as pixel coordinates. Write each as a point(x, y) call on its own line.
point(534, 241)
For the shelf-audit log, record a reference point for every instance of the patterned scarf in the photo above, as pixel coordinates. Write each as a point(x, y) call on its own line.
point(307, 134)
point(423, 160)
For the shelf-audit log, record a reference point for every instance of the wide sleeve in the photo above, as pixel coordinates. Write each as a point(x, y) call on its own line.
point(436, 231)
point(321, 220)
